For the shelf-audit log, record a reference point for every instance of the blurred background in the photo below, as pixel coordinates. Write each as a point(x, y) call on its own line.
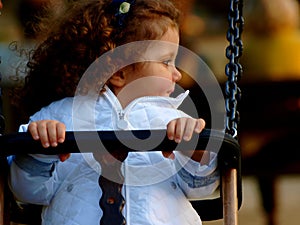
point(270, 106)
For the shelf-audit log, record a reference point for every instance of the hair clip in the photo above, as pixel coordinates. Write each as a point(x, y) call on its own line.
point(122, 7)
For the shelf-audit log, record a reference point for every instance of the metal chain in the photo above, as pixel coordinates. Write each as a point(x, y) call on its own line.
point(233, 69)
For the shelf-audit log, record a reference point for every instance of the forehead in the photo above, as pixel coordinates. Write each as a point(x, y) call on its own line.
point(172, 35)
point(167, 46)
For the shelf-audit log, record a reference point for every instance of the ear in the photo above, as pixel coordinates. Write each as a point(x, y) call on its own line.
point(118, 80)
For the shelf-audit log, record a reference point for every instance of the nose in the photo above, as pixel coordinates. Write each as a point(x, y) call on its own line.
point(176, 74)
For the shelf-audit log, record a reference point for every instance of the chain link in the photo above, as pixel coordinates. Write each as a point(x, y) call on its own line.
point(233, 69)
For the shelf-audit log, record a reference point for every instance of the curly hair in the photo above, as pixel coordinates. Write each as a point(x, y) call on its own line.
point(87, 30)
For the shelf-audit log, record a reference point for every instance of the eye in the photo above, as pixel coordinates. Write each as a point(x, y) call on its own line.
point(168, 62)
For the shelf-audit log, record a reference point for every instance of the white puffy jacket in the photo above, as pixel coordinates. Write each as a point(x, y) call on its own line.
point(156, 188)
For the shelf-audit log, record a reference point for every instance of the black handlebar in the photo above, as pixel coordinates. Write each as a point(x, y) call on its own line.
point(90, 141)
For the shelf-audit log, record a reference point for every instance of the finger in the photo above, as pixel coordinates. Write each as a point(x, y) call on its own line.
point(171, 129)
point(61, 132)
point(179, 129)
point(52, 132)
point(189, 129)
point(200, 125)
point(43, 133)
point(32, 128)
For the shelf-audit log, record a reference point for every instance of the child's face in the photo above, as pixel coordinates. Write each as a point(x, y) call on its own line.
point(156, 76)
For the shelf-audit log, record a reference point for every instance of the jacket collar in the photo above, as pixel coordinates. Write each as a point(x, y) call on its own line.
point(169, 102)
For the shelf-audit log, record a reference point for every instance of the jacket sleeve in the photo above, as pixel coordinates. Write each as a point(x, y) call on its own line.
point(196, 180)
point(33, 178)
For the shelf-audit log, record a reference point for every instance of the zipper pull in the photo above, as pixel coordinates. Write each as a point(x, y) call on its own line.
point(122, 123)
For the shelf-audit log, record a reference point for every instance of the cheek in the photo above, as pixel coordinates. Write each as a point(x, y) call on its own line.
point(159, 85)
point(151, 85)
point(162, 84)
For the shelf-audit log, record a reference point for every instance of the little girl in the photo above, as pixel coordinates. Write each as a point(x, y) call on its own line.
point(136, 96)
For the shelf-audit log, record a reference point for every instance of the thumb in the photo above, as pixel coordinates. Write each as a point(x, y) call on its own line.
point(64, 157)
point(169, 155)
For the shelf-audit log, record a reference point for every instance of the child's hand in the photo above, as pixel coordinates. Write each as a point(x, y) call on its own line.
point(183, 129)
point(50, 133)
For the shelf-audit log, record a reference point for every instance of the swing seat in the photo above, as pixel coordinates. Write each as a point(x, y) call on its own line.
point(229, 158)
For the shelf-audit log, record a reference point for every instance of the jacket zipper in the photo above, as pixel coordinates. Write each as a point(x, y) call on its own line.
point(121, 115)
